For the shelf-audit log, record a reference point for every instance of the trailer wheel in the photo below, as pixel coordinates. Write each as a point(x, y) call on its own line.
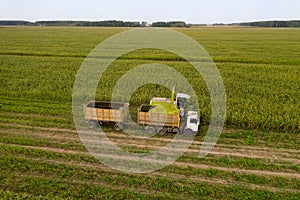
point(150, 130)
point(118, 126)
point(188, 133)
point(92, 124)
point(163, 131)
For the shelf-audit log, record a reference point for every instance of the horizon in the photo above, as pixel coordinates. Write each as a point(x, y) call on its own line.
point(70, 20)
point(190, 11)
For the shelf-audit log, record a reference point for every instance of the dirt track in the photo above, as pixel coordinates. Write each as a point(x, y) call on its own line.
point(152, 144)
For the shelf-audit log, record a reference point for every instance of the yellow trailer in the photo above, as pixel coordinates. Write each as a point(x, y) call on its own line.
point(98, 112)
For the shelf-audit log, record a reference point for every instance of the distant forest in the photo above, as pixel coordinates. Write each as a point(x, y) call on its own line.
point(115, 23)
point(110, 23)
point(293, 23)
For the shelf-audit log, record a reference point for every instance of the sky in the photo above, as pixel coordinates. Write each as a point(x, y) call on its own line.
point(190, 11)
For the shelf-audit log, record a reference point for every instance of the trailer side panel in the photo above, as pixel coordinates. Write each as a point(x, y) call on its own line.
point(105, 112)
point(157, 119)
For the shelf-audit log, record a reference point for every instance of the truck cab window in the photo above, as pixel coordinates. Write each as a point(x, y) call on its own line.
point(194, 121)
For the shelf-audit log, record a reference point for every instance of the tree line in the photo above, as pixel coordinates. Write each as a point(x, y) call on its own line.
point(116, 23)
point(170, 24)
point(109, 23)
point(292, 23)
point(15, 23)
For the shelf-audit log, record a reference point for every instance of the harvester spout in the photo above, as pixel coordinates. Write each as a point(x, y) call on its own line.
point(173, 95)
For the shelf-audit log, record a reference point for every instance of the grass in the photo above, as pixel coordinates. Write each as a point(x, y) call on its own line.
point(261, 93)
point(42, 157)
point(59, 179)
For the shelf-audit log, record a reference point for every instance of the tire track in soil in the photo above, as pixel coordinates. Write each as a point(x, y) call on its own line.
point(178, 177)
point(177, 163)
point(218, 151)
point(167, 140)
point(194, 149)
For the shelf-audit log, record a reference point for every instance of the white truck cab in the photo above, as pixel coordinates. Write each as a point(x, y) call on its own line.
point(192, 121)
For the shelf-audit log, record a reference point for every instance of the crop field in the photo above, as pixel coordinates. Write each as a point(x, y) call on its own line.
point(257, 155)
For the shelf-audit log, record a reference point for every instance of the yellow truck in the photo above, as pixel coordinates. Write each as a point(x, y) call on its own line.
point(162, 115)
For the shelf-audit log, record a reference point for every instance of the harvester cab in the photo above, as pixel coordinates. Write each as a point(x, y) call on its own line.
point(182, 100)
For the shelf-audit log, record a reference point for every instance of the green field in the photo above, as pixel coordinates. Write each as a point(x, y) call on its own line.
point(257, 157)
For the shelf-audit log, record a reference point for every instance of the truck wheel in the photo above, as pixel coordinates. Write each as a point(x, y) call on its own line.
point(92, 124)
point(163, 131)
point(189, 133)
point(150, 130)
point(118, 126)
